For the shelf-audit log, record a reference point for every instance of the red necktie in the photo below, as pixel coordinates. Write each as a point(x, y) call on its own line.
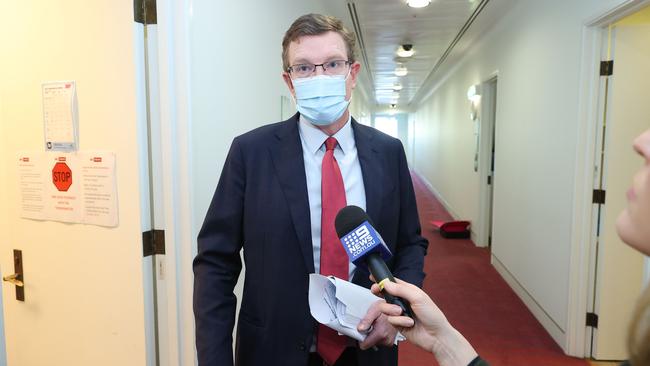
point(333, 259)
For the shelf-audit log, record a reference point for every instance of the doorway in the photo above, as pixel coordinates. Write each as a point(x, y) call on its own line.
point(486, 167)
point(616, 271)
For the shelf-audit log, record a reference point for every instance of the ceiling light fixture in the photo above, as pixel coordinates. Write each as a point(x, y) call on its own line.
point(401, 71)
point(397, 87)
point(418, 3)
point(405, 50)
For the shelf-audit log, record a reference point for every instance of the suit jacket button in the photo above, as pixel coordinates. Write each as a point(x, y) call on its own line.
point(302, 346)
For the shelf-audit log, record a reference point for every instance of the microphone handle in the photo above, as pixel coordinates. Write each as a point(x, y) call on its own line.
point(381, 273)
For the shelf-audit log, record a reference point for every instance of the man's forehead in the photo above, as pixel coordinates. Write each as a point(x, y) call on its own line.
point(318, 48)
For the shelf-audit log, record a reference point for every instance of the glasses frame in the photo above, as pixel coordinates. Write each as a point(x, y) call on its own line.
point(291, 68)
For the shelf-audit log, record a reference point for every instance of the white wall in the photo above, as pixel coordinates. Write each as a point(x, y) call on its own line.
point(536, 49)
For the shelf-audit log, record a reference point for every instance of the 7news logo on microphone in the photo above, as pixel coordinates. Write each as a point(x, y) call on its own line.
point(363, 240)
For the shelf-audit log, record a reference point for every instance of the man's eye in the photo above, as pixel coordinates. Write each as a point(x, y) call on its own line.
point(333, 64)
point(303, 68)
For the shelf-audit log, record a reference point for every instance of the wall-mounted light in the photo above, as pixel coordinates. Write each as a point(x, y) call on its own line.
point(418, 3)
point(397, 87)
point(474, 93)
point(474, 96)
point(401, 71)
point(405, 50)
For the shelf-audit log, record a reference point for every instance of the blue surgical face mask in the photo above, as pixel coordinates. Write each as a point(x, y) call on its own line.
point(321, 98)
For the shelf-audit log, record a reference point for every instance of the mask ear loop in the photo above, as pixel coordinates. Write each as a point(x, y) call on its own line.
point(349, 72)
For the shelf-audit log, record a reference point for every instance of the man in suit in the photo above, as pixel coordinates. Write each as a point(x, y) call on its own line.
point(280, 189)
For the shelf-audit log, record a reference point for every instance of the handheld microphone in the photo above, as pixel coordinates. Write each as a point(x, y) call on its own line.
point(366, 249)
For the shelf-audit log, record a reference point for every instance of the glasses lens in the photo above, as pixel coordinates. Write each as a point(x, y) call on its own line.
point(302, 70)
point(337, 67)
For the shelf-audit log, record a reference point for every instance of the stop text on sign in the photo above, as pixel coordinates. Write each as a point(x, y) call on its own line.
point(62, 176)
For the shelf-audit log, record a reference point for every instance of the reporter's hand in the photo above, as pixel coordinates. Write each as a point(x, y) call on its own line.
point(382, 333)
point(431, 322)
point(430, 329)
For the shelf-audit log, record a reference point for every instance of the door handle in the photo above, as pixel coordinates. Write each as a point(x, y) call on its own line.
point(16, 279)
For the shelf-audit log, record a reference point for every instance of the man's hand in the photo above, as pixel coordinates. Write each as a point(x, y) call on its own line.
point(381, 331)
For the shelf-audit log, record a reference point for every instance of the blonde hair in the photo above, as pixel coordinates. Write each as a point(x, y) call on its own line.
point(638, 343)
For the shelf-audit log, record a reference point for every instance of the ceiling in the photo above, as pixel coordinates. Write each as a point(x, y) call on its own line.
point(383, 25)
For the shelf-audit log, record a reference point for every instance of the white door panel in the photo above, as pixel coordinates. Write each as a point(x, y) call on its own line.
point(621, 269)
point(84, 289)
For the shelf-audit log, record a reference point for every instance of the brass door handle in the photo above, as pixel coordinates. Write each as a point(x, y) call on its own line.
point(15, 279)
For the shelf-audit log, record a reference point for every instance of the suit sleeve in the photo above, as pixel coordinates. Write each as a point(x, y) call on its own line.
point(218, 264)
point(411, 246)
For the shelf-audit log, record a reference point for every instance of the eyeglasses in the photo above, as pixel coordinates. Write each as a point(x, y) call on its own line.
point(335, 67)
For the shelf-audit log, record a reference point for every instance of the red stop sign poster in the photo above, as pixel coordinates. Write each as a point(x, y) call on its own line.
point(62, 176)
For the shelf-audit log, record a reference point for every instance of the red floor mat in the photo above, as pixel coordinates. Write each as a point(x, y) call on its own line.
point(477, 301)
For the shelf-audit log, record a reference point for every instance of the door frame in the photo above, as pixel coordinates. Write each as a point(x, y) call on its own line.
point(593, 35)
point(176, 288)
point(487, 123)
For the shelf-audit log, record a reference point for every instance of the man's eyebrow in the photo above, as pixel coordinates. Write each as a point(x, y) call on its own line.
point(301, 61)
point(332, 57)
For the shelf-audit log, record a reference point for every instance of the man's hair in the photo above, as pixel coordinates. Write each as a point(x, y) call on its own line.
point(313, 25)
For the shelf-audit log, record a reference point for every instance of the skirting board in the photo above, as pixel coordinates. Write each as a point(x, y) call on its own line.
point(558, 335)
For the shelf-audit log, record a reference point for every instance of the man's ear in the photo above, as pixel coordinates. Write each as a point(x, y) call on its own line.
point(354, 71)
point(289, 82)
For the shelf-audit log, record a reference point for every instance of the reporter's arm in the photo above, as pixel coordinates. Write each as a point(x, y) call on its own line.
point(430, 330)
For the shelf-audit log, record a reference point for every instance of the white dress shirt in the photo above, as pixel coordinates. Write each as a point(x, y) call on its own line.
point(313, 150)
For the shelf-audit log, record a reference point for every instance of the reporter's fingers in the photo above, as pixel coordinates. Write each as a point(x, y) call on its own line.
point(401, 322)
point(375, 289)
point(404, 290)
point(390, 309)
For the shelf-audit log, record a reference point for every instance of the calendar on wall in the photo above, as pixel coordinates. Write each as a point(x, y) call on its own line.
point(60, 116)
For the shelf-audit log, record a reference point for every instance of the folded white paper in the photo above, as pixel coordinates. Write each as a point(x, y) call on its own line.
point(340, 304)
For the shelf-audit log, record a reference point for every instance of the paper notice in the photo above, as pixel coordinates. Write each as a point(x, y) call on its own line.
point(62, 189)
point(97, 173)
point(31, 183)
point(60, 116)
point(75, 188)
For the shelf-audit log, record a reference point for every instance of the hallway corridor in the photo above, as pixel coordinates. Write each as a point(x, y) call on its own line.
point(477, 301)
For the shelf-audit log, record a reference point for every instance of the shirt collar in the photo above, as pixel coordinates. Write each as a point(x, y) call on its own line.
point(315, 138)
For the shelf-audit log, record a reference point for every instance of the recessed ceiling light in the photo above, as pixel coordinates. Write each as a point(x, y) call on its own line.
point(397, 87)
point(405, 50)
point(418, 3)
point(401, 71)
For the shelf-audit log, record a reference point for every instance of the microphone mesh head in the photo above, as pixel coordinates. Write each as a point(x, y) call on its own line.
point(348, 218)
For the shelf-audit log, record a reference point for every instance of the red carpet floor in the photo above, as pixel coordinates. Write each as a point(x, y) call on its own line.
point(477, 301)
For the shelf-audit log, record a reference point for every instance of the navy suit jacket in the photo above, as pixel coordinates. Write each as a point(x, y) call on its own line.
point(261, 204)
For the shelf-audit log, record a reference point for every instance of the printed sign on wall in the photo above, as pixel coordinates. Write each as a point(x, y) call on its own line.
point(76, 188)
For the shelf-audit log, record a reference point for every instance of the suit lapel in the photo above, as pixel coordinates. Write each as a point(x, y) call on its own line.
point(289, 165)
point(371, 170)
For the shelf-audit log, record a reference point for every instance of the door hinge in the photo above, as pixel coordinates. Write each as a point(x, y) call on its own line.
point(144, 11)
point(592, 320)
point(598, 196)
point(606, 68)
point(489, 180)
point(153, 242)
